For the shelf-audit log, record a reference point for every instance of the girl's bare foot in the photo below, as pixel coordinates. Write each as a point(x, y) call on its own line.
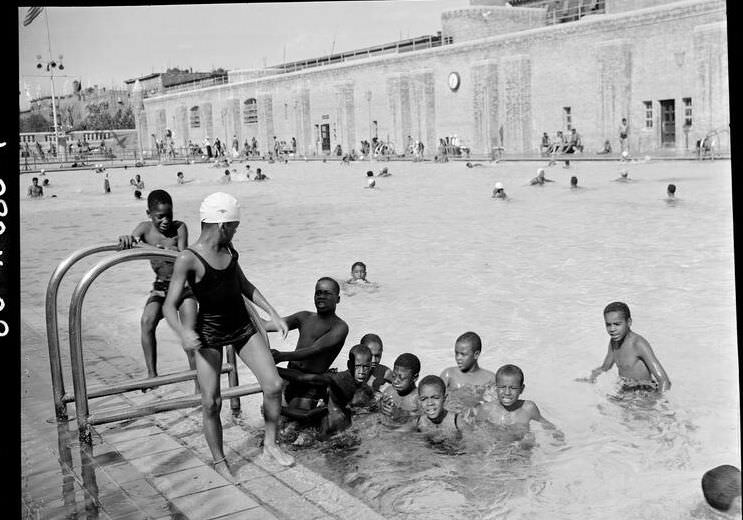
point(223, 469)
point(278, 454)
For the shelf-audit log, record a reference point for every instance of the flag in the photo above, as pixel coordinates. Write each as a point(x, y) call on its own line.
point(31, 15)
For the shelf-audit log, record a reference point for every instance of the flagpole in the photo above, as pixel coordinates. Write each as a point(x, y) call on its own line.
point(51, 77)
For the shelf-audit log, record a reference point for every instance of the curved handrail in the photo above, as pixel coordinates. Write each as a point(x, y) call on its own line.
point(52, 326)
point(75, 326)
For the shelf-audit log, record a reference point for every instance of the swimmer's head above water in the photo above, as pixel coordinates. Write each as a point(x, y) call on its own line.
point(358, 271)
point(509, 384)
point(467, 349)
point(406, 369)
point(432, 396)
point(671, 190)
point(159, 209)
point(721, 487)
point(359, 362)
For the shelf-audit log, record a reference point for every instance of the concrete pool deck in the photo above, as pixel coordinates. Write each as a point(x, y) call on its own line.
point(152, 467)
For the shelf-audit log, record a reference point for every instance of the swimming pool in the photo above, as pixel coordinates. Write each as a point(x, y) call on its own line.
point(531, 276)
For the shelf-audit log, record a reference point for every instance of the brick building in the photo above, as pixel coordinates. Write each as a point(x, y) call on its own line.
point(497, 74)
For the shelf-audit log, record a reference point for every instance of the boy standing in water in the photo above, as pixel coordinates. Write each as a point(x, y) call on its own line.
point(467, 350)
point(399, 400)
point(639, 369)
point(210, 267)
point(163, 232)
point(436, 421)
point(510, 412)
point(379, 374)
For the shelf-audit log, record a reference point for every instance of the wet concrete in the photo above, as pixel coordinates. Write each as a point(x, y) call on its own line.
point(154, 467)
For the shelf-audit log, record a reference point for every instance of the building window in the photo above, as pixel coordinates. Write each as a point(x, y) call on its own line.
point(195, 117)
point(250, 111)
point(567, 118)
point(687, 111)
point(648, 114)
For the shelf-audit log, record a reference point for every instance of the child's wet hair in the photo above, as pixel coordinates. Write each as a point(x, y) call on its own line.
point(408, 360)
point(361, 264)
point(179, 174)
point(574, 180)
point(137, 194)
point(510, 370)
point(158, 197)
point(369, 173)
point(432, 380)
point(355, 351)
point(371, 338)
point(227, 172)
point(35, 179)
point(335, 283)
point(720, 486)
point(671, 188)
point(618, 307)
point(472, 338)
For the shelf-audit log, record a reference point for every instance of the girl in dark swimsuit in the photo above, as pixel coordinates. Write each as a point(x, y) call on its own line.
point(211, 269)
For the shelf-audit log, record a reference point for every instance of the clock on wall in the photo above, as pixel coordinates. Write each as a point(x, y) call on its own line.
point(453, 81)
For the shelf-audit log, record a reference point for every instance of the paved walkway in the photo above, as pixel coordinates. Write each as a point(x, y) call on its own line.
point(153, 467)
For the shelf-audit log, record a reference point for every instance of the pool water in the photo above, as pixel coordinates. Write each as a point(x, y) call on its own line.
point(530, 275)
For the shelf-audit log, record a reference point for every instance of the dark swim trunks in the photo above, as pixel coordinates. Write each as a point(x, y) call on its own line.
point(160, 291)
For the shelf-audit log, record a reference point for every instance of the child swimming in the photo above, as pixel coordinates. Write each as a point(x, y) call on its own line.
point(226, 178)
point(342, 387)
point(163, 232)
point(370, 183)
point(435, 420)
point(499, 192)
point(212, 271)
point(398, 401)
point(467, 349)
point(623, 176)
point(540, 179)
point(379, 373)
point(638, 367)
point(508, 411)
point(384, 173)
point(358, 273)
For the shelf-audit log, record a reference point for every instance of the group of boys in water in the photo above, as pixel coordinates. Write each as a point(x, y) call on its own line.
point(201, 295)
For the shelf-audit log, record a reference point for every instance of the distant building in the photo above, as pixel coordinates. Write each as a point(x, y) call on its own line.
point(498, 74)
point(172, 79)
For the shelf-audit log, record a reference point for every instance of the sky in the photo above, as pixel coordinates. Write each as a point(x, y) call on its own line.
point(107, 45)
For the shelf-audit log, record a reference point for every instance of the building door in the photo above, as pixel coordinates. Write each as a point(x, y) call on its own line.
point(325, 137)
point(667, 123)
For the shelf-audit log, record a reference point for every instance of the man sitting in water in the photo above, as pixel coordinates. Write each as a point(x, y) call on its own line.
point(163, 232)
point(639, 369)
point(540, 178)
point(510, 414)
point(341, 386)
point(35, 191)
point(321, 338)
point(499, 192)
point(398, 400)
point(467, 373)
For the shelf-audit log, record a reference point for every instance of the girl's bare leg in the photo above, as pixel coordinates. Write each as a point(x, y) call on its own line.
point(187, 314)
point(208, 364)
point(256, 355)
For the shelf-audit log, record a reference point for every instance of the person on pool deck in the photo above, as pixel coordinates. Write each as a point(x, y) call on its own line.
point(379, 374)
point(212, 271)
point(540, 179)
point(499, 192)
point(467, 349)
point(35, 191)
point(508, 411)
point(638, 367)
point(398, 400)
point(721, 487)
point(163, 232)
point(358, 273)
point(321, 338)
point(342, 387)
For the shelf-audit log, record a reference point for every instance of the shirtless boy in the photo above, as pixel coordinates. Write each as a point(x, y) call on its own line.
point(467, 349)
point(35, 191)
point(342, 387)
point(508, 411)
point(436, 421)
point(161, 231)
point(639, 369)
point(321, 338)
point(399, 401)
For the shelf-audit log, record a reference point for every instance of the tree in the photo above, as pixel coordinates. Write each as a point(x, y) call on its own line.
point(34, 123)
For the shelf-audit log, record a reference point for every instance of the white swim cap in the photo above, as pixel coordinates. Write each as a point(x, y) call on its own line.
point(540, 171)
point(219, 207)
point(625, 153)
point(498, 186)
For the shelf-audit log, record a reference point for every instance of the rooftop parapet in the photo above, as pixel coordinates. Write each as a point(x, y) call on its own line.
point(478, 21)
